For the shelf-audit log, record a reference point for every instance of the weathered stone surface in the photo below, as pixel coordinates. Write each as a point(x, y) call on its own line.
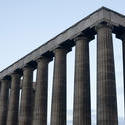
point(12, 118)
point(4, 101)
point(82, 106)
point(25, 116)
point(58, 109)
point(106, 86)
point(102, 19)
point(101, 15)
point(40, 109)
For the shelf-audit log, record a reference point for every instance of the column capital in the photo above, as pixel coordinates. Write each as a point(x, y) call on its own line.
point(84, 36)
point(45, 59)
point(28, 66)
point(15, 73)
point(103, 25)
point(81, 37)
point(61, 49)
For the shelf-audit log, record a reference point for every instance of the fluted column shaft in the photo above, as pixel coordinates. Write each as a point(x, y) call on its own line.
point(4, 101)
point(82, 106)
point(106, 86)
point(25, 117)
point(12, 118)
point(58, 113)
point(40, 109)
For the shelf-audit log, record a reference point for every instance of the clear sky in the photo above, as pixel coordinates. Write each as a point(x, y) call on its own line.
point(27, 24)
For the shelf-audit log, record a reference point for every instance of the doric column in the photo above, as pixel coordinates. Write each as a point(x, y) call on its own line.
point(82, 106)
point(106, 86)
point(25, 117)
point(4, 100)
point(12, 118)
point(33, 103)
point(58, 112)
point(40, 109)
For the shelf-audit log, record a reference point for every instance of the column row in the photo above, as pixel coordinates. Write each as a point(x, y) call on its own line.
point(34, 111)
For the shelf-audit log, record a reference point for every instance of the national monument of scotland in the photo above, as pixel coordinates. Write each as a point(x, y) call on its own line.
point(33, 104)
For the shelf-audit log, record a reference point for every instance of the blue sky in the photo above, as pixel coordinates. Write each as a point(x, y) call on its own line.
point(27, 24)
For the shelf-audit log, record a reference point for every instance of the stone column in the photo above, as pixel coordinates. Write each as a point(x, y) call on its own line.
point(12, 118)
point(4, 101)
point(106, 86)
point(40, 109)
point(82, 106)
point(33, 103)
point(58, 109)
point(25, 117)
